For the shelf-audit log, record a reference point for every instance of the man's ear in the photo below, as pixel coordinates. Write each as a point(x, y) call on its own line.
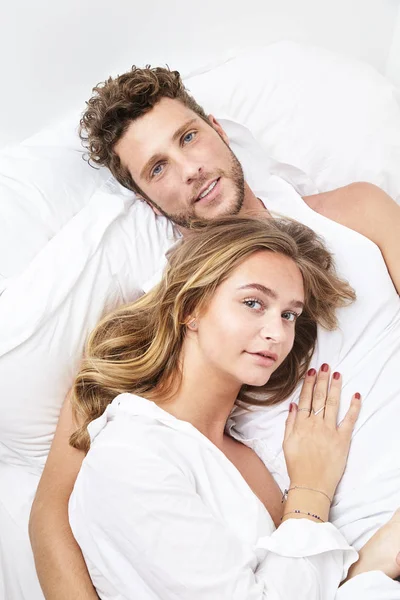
point(218, 128)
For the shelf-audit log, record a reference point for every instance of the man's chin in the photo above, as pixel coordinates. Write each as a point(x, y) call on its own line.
point(216, 209)
point(225, 209)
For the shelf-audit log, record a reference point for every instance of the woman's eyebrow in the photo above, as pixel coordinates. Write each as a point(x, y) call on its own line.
point(270, 293)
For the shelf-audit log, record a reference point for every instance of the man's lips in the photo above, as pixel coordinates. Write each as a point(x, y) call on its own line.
point(209, 190)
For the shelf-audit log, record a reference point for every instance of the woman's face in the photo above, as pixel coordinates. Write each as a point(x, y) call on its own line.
point(248, 327)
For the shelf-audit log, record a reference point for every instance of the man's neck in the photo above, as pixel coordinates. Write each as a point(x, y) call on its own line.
point(251, 204)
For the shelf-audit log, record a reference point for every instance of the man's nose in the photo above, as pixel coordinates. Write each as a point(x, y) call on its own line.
point(190, 170)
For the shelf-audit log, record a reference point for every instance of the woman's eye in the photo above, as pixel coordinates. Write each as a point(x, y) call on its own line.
point(156, 170)
point(188, 137)
point(253, 303)
point(289, 315)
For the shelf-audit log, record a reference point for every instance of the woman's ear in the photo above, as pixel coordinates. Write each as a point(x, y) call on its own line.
point(192, 323)
point(218, 128)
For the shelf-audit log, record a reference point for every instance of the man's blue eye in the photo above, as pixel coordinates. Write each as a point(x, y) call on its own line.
point(188, 137)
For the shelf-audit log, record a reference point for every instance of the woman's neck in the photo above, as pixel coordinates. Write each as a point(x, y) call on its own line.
point(204, 398)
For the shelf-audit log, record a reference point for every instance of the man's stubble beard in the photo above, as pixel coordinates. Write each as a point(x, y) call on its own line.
point(235, 174)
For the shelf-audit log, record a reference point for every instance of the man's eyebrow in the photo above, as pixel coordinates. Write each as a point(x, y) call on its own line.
point(152, 160)
point(179, 132)
point(156, 157)
point(270, 293)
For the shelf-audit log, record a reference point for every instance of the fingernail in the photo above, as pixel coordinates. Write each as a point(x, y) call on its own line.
point(324, 367)
point(336, 375)
point(357, 395)
point(291, 407)
point(311, 372)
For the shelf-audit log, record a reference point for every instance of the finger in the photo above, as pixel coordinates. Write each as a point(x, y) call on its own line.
point(350, 418)
point(333, 399)
point(305, 400)
point(320, 391)
point(290, 420)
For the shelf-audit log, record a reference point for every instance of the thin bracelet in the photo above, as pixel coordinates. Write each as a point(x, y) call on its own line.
point(300, 512)
point(300, 487)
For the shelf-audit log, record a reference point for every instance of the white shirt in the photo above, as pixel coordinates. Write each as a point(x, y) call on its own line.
point(161, 513)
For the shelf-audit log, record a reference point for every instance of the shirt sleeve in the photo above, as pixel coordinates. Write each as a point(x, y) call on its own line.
point(373, 585)
point(138, 517)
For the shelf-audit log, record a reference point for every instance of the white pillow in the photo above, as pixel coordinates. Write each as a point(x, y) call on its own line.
point(100, 259)
point(335, 118)
point(42, 186)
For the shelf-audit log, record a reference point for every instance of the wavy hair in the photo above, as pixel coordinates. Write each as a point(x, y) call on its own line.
point(137, 347)
point(117, 102)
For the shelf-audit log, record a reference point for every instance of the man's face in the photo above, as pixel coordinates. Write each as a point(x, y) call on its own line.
point(182, 164)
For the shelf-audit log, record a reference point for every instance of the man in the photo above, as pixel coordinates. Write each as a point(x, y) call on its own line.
point(158, 142)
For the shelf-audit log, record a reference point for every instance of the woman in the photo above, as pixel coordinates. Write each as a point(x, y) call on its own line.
point(167, 504)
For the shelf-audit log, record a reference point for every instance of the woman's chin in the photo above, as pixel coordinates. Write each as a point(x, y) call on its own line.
point(257, 380)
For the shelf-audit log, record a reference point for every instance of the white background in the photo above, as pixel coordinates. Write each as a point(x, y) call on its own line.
point(52, 52)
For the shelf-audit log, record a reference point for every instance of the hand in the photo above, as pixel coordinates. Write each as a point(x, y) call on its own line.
point(381, 552)
point(315, 447)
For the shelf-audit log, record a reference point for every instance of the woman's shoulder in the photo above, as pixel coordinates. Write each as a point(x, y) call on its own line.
point(127, 419)
point(133, 429)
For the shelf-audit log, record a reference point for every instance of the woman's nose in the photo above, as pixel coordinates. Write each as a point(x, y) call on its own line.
point(273, 329)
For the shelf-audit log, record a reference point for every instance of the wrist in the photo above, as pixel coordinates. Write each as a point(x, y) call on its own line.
point(307, 483)
point(304, 502)
point(293, 488)
point(301, 514)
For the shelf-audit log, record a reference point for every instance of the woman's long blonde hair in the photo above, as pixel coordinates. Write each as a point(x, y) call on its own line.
point(137, 347)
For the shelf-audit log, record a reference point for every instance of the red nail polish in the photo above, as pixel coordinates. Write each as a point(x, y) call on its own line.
point(357, 395)
point(324, 367)
point(311, 372)
point(291, 407)
point(336, 375)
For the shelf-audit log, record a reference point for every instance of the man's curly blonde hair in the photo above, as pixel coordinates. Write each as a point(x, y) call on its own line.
point(117, 102)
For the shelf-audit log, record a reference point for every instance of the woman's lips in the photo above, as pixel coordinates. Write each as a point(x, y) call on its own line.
point(266, 361)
